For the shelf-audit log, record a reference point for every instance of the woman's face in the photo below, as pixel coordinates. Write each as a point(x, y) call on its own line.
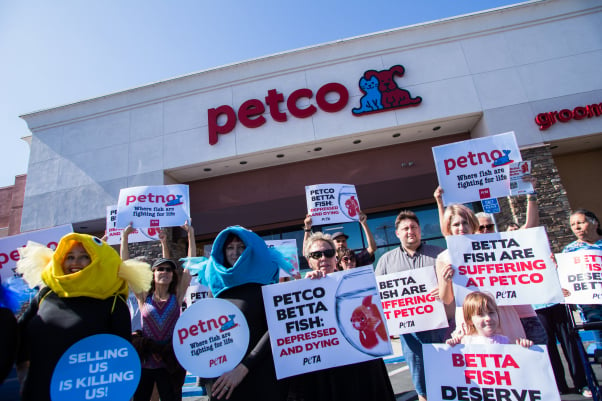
point(583, 229)
point(163, 274)
point(459, 226)
point(318, 260)
point(233, 250)
point(77, 259)
point(348, 262)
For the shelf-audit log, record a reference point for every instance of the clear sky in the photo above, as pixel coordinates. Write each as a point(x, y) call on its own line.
point(61, 51)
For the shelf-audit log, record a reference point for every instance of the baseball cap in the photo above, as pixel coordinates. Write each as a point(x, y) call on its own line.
point(161, 261)
point(340, 234)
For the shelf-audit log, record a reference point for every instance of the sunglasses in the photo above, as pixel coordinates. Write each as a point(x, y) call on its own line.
point(346, 259)
point(164, 269)
point(486, 227)
point(329, 253)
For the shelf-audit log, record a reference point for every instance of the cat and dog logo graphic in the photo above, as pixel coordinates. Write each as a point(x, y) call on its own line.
point(381, 92)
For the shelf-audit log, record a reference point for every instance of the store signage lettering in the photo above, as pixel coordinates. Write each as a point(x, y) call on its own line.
point(250, 113)
point(546, 120)
point(379, 88)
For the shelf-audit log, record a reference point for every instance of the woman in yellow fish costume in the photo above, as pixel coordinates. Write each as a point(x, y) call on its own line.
point(84, 287)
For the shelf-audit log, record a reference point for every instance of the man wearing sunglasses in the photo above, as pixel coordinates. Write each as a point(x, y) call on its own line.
point(412, 254)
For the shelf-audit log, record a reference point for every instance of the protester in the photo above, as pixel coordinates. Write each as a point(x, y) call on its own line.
point(83, 293)
point(8, 342)
point(412, 254)
point(239, 265)
point(365, 256)
point(460, 220)
point(531, 323)
point(481, 315)
point(360, 381)
point(160, 309)
point(556, 319)
point(347, 260)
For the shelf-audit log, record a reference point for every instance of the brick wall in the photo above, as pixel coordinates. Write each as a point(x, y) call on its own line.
point(552, 200)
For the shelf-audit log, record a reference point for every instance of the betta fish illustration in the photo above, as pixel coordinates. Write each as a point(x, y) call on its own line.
point(368, 321)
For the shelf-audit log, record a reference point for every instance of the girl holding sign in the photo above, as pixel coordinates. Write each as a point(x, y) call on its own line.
point(240, 264)
point(84, 290)
point(360, 381)
point(460, 220)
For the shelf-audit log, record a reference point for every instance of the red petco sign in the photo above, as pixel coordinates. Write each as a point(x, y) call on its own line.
point(546, 120)
point(380, 90)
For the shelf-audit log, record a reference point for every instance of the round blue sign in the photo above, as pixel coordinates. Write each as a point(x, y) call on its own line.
point(99, 367)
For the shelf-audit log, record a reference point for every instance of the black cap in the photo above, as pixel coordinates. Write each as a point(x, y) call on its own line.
point(161, 261)
point(340, 234)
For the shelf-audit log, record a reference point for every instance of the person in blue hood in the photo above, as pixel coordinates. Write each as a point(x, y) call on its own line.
point(240, 264)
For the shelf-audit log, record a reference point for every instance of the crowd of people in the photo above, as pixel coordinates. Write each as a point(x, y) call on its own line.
point(85, 286)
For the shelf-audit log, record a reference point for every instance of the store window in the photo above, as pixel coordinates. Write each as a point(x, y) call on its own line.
point(382, 226)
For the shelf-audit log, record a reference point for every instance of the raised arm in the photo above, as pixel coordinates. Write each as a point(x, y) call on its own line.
point(371, 242)
point(532, 207)
point(186, 277)
point(124, 252)
point(306, 229)
point(438, 194)
point(445, 273)
point(164, 245)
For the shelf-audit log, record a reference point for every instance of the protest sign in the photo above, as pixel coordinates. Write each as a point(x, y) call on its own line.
point(318, 324)
point(332, 203)
point(9, 254)
point(195, 292)
point(517, 171)
point(288, 249)
point(493, 372)
point(580, 273)
point(515, 266)
point(211, 337)
point(99, 367)
point(475, 169)
point(156, 206)
point(408, 303)
point(138, 235)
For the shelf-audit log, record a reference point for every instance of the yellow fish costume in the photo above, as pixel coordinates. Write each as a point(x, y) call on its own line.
point(105, 276)
point(70, 307)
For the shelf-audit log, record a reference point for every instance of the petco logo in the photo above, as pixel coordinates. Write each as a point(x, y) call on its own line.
point(381, 93)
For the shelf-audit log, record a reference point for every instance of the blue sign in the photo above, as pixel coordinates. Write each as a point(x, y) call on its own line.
point(490, 205)
point(99, 367)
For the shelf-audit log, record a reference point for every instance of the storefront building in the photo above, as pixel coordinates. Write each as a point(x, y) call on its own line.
point(248, 137)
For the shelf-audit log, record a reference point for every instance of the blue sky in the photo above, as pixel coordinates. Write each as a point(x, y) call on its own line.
point(62, 51)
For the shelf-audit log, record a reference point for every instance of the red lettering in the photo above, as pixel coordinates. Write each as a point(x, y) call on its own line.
point(250, 112)
point(546, 120)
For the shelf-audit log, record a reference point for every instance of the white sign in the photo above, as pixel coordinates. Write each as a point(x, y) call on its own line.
point(332, 203)
point(475, 169)
point(195, 292)
point(408, 303)
point(489, 372)
point(580, 273)
point(211, 337)
point(156, 206)
point(514, 266)
point(138, 235)
point(288, 249)
point(318, 324)
point(518, 186)
point(9, 254)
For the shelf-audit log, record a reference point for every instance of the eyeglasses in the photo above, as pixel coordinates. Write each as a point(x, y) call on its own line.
point(486, 227)
point(329, 253)
point(164, 269)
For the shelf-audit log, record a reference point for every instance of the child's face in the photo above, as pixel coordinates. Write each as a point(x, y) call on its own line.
point(486, 324)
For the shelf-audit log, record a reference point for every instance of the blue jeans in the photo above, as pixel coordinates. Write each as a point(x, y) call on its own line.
point(411, 345)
